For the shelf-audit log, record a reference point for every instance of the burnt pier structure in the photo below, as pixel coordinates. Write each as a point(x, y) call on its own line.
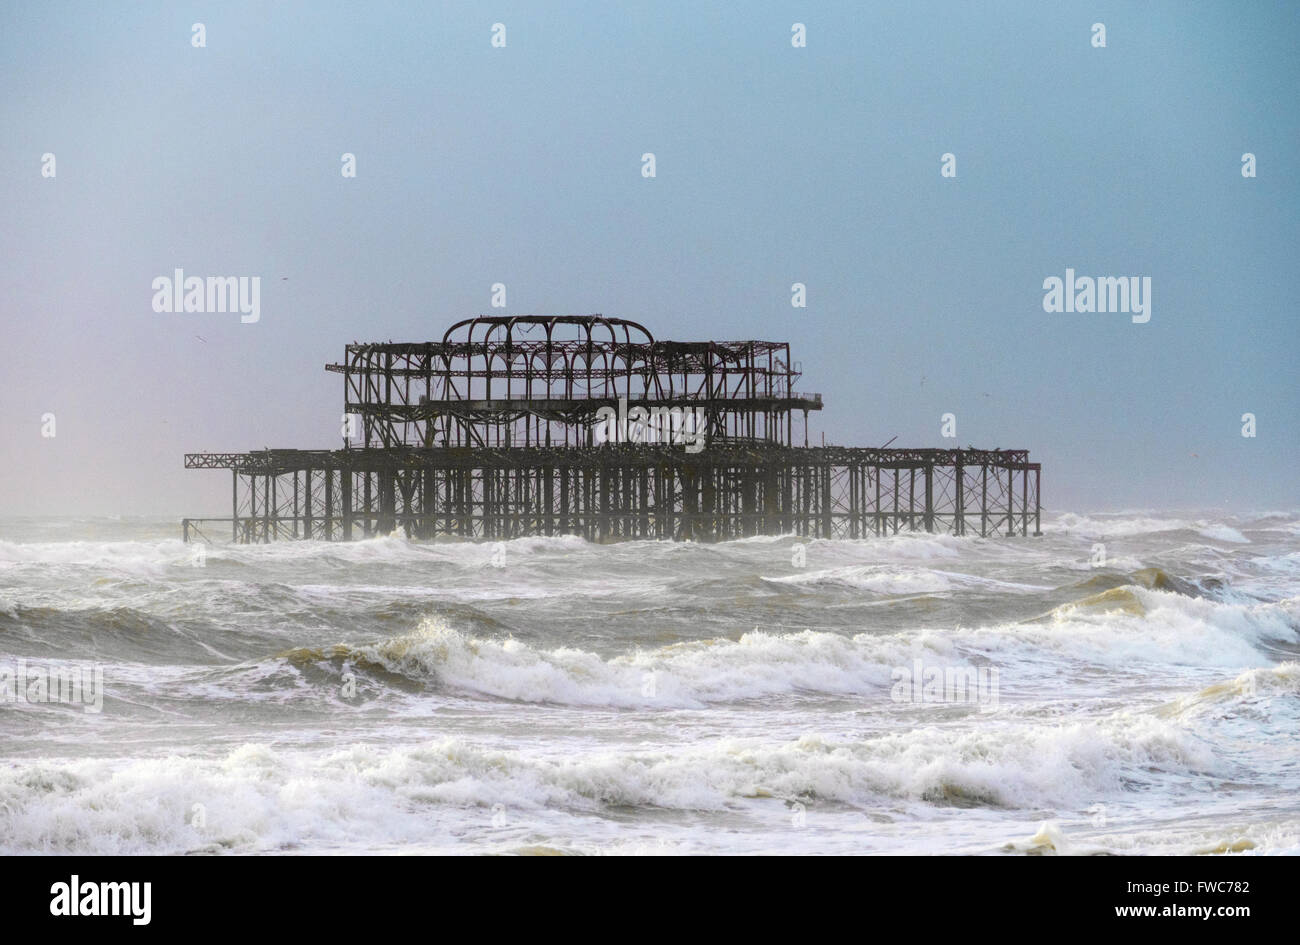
point(586, 425)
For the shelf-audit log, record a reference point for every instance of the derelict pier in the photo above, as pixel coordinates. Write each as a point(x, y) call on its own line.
point(586, 425)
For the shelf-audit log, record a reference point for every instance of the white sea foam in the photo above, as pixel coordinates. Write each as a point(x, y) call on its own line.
point(1170, 629)
point(661, 696)
point(890, 579)
point(1224, 533)
point(1113, 525)
point(686, 675)
point(259, 798)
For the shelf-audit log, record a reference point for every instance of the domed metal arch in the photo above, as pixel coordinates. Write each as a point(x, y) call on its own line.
point(612, 324)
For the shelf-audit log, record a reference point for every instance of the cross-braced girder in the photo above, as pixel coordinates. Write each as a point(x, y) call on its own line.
point(492, 433)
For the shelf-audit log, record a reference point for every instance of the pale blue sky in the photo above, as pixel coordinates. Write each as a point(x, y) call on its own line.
point(775, 165)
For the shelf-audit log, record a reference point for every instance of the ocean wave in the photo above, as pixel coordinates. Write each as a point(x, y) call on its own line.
point(1101, 525)
point(105, 632)
point(1119, 628)
point(894, 580)
point(1224, 533)
point(155, 558)
point(263, 798)
point(643, 695)
point(684, 675)
point(123, 557)
point(1258, 686)
point(1115, 525)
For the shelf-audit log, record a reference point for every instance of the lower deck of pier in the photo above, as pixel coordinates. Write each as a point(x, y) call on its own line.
point(621, 492)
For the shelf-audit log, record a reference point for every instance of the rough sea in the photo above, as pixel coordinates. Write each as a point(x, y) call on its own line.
point(1126, 683)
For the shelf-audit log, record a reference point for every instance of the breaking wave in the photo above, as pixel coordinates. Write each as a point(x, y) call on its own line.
point(259, 798)
point(1115, 628)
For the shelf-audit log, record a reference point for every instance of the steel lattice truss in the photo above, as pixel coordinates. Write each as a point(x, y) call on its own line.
point(531, 380)
point(488, 434)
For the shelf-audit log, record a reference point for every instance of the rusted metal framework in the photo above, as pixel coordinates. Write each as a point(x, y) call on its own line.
point(539, 381)
point(492, 433)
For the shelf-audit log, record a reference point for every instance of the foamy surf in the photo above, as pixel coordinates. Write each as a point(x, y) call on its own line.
point(548, 696)
point(258, 797)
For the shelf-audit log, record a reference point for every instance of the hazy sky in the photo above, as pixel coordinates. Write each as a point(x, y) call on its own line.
point(775, 165)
